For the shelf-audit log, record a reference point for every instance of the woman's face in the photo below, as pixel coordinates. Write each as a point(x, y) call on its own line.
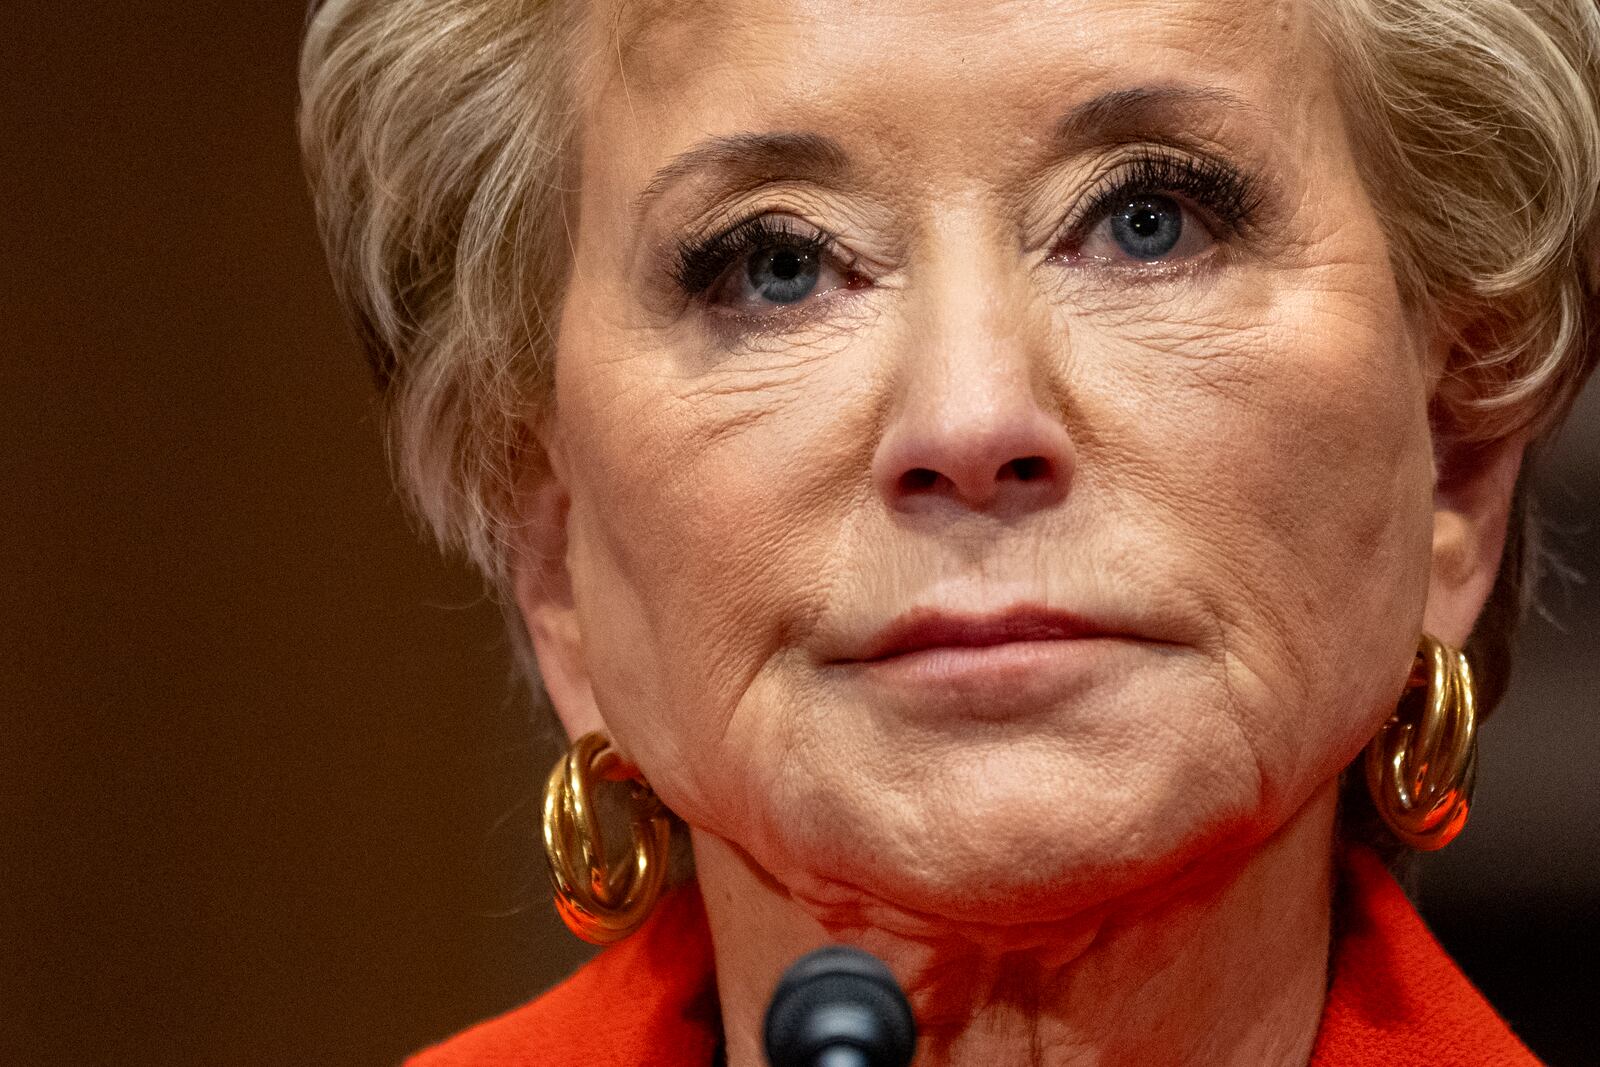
point(1065, 327)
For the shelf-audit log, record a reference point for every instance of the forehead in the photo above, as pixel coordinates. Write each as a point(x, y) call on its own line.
point(698, 29)
point(922, 69)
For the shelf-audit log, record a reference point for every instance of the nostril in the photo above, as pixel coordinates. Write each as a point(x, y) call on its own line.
point(1010, 459)
point(1026, 469)
point(918, 479)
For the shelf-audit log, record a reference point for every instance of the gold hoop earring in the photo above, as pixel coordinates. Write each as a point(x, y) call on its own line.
point(1423, 763)
point(600, 902)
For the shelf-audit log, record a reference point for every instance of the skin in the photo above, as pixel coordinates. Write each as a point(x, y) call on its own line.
point(1109, 850)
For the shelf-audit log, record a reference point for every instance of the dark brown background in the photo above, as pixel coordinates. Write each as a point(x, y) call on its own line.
point(265, 792)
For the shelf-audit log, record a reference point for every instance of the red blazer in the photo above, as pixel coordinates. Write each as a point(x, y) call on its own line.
point(1394, 998)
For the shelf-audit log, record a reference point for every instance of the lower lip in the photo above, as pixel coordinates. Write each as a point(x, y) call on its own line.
point(1004, 674)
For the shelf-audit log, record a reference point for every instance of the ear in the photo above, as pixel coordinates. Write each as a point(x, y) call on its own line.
point(542, 585)
point(1471, 505)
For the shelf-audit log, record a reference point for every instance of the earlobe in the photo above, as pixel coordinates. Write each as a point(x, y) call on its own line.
point(542, 585)
point(1472, 504)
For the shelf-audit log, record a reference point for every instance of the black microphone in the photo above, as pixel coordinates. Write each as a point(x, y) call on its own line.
point(839, 1007)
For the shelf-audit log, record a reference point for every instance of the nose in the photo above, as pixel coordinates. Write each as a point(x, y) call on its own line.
point(972, 425)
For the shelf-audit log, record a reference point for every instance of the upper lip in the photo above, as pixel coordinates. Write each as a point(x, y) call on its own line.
point(923, 628)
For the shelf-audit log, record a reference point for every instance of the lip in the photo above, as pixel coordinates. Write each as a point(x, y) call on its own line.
point(928, 629)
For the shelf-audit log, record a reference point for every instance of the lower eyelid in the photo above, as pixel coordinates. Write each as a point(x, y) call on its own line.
point(826, 259)
point(1078, 235)
point(837, 304)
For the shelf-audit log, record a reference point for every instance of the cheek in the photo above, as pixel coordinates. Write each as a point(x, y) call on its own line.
point(1276, 449)
point(704, 510)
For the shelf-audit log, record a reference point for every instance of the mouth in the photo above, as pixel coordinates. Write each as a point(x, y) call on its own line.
point(927, 630)
point(1003, 664)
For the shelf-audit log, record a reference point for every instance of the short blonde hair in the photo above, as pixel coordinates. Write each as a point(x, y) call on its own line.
point(439, 138)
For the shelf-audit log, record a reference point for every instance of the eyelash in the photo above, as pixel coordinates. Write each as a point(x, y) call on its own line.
point(1230, 198)
point(701, 263)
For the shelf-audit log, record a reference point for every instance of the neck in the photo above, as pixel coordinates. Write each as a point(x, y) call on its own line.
point(1226, 963)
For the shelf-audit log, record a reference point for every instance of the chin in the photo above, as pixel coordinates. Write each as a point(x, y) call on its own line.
point(1017, 852)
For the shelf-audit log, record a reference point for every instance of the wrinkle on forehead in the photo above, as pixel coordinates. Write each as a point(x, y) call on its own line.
point(654, 46)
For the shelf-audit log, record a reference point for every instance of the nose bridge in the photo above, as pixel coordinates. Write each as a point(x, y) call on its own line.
point(980, 333)
point(986, 338)
point(974, 421)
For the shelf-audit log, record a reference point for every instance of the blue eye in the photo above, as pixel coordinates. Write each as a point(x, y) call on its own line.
point(1143, 228)
point(782, 275)
point(1147, 228)
point(762, 264)
point(1161, 209)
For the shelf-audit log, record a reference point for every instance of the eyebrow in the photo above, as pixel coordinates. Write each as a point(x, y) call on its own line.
point(1123, 112)
point(753, 157)
point(749, 158)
